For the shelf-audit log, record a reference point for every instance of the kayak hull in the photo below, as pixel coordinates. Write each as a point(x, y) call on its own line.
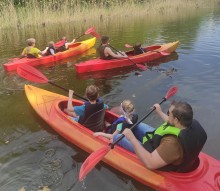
point(49, 105)
point(153, 52)
point(75, 49)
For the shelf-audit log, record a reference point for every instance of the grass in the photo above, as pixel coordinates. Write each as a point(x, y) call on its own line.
point(41, 13)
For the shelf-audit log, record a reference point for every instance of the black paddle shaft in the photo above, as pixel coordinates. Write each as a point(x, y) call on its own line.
point(67, 90)
point(123, 55)
point(133, 126)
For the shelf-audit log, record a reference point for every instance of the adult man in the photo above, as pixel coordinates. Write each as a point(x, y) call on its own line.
point(174, 146)
point(106, 52)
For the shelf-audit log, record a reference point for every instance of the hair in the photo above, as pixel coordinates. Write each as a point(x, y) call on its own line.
point(183, 112)
point(137, 45)
point(104, 39)
point(51, 44)
point(92, 92)
point(31, 41)
point(127, 106)
point(64, 38)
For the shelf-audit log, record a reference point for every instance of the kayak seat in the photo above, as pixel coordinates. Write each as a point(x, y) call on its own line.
point(95, 122)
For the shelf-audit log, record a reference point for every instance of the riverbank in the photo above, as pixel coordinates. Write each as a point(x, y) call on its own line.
point(41, 13)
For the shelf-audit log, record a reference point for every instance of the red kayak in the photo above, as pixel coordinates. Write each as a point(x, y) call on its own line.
point(49, 106)
point(75, 49)
point(151, 53)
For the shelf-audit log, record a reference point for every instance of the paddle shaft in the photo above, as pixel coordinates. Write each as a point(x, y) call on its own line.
point(122, 54)
point(67, 90)
point(133, 126)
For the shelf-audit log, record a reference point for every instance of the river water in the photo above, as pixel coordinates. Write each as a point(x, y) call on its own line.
point(32, 155)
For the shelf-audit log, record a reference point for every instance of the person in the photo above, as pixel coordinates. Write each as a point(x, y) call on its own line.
point(63, 44)
point(31, 51)
point(106, 52)
point(125, 121)
point(50, 50)
point(81, 113)
point(138, 49)
point(174, 146)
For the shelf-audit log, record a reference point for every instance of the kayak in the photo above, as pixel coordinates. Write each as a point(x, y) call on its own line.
point(49, 106)
point(151, 53)
point(74, 49)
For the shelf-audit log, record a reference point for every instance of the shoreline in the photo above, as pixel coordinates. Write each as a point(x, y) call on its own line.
point(34, 15)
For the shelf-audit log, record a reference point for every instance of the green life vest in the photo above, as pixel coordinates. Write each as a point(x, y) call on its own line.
point(164, 129)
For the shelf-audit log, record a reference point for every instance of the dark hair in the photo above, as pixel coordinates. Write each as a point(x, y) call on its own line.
point(92, 92)
point(104, 39)
point(183, 112)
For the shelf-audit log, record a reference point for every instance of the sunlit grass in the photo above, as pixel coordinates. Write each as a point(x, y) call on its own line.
point(39, 12)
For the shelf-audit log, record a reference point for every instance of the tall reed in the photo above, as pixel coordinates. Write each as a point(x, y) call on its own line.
point(40, 12)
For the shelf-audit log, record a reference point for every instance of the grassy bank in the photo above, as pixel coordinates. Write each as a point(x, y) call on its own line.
point(36, 12)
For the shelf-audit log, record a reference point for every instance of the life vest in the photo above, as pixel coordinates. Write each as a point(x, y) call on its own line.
point(102, 54)
point(125, 125)
point(48, 51)
point(90, 109)
point(138, 50)
point(192, 140)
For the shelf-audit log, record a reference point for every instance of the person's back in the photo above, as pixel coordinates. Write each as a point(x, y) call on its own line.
point(83, 112)
point(31, 51)
point(137, 49)
point(106, 52)
point(50, 50)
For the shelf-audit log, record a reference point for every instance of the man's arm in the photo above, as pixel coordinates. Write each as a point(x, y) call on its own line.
point(150, 160)
point(108, 51)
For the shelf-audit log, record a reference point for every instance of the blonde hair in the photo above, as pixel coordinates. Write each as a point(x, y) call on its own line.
point(127, 106)
point(31, 41)
point(51, 44)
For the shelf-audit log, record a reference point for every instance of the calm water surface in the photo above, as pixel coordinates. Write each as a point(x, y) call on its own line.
point(32, 155)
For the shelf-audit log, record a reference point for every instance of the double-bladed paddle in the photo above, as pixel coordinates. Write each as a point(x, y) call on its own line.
point(161, 52)
point(99, 154)
point(140, 66)
point(32, 74)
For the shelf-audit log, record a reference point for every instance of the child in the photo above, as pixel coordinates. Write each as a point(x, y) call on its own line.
point(50, 50)
point(63, 44)
point(81, 113)
point(30, 51)
point(138, 49)
point(125, 121)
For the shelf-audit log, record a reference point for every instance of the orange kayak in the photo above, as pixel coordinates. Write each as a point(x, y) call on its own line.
point(74, 49)
point(151, 53)
point(49, 106)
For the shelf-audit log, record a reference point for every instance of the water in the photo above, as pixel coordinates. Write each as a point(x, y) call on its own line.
point(33, 156)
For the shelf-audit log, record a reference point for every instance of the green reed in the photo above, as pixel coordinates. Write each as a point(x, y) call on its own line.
point(24, 13)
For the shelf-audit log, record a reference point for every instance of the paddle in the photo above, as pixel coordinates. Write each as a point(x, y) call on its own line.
point(140, 66)
point(99, 154)
point(161, 52)
point(89, 31)
point(32, 74)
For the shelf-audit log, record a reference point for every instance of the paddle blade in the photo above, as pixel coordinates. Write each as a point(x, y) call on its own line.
point(141, 66)
point(91, 161)
point(171, 92)
point(90, 30)
point(95, 35)
point(31, 74)
point(128, 46)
